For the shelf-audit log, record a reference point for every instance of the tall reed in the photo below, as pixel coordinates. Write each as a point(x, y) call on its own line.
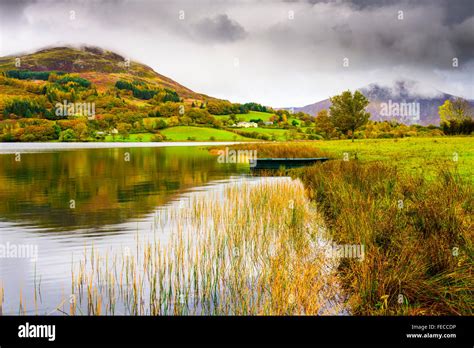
point(418, 232)
point(250, 248)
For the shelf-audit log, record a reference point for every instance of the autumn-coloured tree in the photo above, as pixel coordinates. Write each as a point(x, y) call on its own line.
point(456, 116)
point(455, 110)
point(123, 129)
point(324, 125)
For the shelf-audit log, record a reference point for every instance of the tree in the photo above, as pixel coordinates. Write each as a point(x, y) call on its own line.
point(219, 107)
point(123, 129)
point(67, 135)
point(347, 111)
point(160, 124)
point(25, 108)
point(456, 117)
point(324, 126)
point(456, 110)
point(81, 130)
point(39, 132)
point(200, 116)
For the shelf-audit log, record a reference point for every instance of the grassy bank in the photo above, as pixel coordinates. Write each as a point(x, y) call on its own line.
point(418, 235)
point(411, 205)
point(278, 150)
point(422, 156)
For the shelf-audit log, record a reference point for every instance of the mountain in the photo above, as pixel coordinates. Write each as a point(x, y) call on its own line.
point(405, 101)
point(103, 68)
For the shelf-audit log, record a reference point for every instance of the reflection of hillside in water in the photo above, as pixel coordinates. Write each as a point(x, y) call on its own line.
point(106, 188)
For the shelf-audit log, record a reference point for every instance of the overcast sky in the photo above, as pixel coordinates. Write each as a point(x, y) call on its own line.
point(278, 53)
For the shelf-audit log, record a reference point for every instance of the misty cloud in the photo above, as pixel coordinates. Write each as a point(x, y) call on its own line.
point(12, 10)
point(219, 28)
point(285, 60)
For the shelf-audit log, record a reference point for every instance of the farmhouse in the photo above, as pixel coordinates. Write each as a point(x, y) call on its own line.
point(246, 125)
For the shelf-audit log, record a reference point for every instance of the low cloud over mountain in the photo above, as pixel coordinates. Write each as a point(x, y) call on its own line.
point(405, 101)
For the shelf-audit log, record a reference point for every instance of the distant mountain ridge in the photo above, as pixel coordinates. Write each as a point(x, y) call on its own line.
point(403, 102)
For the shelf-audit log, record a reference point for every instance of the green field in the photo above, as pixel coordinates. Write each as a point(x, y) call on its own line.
point(421, 155)
point(254, 115)
point(145, 137)
point(279, 133)
point(183, 133)
point(413, 155)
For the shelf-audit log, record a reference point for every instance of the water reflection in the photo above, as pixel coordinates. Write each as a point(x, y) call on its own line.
point(115, 200)
point(88, 189)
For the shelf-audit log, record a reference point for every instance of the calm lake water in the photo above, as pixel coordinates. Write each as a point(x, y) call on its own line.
point(54, 204)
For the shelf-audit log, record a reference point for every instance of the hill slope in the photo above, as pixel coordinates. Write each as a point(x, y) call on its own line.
point(101, 67)
point(88, 93)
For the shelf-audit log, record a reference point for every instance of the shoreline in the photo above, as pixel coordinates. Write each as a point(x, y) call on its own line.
point(6, 148)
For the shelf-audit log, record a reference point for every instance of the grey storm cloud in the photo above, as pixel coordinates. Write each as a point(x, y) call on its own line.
point(219, 28)
point(303, 52)
point(462, 38)
point(12, 10)
point(455, 11)
point(378, 36)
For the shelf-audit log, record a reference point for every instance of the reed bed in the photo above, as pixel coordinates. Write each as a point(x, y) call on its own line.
point(419, 235)
point(252, 248)
point(280, 150)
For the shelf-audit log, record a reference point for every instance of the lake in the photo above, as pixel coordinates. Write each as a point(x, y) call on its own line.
point(157, 230)
point(54, 204)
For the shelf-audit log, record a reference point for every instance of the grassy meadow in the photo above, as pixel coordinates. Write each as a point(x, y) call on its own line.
point(192, 133)
point(255, 115)
point(416, 155)
point(184, 133)
point(275, 133)
point(410, 202)
point(422, 156)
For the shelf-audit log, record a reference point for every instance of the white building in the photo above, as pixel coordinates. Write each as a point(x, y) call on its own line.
point(246, 125)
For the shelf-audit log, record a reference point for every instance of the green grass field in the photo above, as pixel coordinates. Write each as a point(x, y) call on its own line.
point(417, 155)
point(145, 137)
point(413, 155)
point(255, 115)
point(279, 133)
point(182, 133)
point(252, 115)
